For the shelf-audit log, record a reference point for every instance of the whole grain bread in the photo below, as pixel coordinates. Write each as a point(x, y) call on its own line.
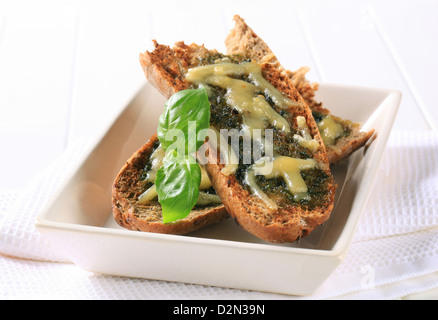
point(165, 68)
point(242, 39)
point(130, 214)
point(344, 146)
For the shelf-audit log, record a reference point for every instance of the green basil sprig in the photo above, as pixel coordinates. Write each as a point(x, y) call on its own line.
point(185, 114)
point(184, 108)
point(177, 186)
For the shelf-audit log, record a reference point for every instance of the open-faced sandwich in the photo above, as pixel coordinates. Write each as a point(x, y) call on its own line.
point(135, 200)
point(259, 153)
point(341, 136)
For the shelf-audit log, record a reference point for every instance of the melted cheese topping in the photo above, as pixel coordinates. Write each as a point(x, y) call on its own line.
point(330, 130)
point(257, 113)
point(148, 195)
point(156, 163)
point(289, 169)
point(243, 96)
point(207, 198)
point(251, 182)
point(305, 139)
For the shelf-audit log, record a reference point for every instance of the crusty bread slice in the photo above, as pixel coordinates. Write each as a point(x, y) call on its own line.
point(166, 68)
point(345, 145)
point(242, 39)
point(130, 214)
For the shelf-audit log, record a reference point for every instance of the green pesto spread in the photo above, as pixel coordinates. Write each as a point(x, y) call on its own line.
point(225, 117)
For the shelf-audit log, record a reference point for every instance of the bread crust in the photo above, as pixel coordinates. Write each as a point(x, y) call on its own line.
point(243, 39)
point(128, 213)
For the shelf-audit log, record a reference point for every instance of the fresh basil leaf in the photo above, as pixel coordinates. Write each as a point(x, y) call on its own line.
point(185, 114)
point(177, 186)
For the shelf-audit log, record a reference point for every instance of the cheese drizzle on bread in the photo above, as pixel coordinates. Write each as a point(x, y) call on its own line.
point(135, 179)
point(136, 207)
point(292, 216)
point(341, 137)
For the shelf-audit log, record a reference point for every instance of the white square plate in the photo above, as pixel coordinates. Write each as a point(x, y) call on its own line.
point(79, 220)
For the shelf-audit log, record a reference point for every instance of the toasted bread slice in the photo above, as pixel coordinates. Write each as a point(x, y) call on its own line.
point(349, 137)
point(353, 137)
point(166, 68)
point(131, 214)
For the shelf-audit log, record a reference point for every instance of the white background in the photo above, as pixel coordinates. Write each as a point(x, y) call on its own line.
point(67, 67)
